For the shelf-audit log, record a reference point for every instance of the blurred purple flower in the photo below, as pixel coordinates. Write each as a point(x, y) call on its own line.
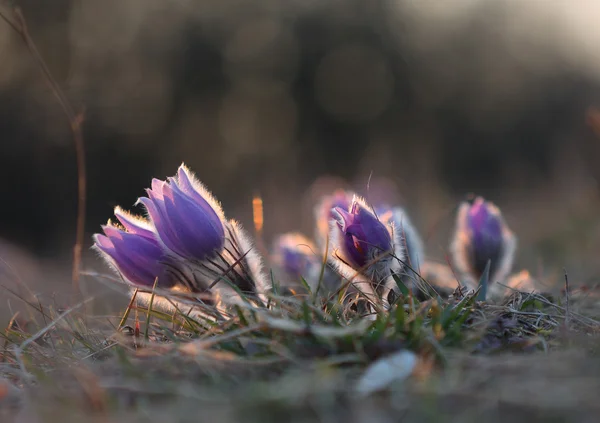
point(134, 252)
point(295, 255)
point(486, 232)
point(187, 220)
point(481, 235)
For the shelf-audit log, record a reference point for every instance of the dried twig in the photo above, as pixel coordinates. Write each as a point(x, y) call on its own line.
point(75, 122)
point(567, 295)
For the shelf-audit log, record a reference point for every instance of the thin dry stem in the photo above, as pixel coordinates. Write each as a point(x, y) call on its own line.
point(75, 122)
point(567, 295)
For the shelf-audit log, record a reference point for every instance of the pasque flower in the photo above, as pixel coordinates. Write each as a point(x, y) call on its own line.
point(366, 246)
point(188, 221)
point(296, 257)
point(481, 235)
point(133, 250)
point(187, 243)
point(295, 254)
point(364, 237)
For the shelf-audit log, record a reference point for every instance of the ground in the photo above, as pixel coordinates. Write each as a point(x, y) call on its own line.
point(528, 358)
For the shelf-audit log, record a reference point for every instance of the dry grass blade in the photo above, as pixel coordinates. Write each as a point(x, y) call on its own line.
point(128, 310)
point(18, 350)
point(150, 304)
point(567, 297)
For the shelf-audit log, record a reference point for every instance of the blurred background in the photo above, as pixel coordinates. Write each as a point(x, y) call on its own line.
point(289, 98)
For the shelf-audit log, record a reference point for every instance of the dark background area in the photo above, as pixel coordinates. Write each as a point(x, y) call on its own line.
point(435, 99)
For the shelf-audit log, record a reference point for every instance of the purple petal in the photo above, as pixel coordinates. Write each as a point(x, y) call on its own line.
point(185, 184)
point(113, 233)
point(342, 217)
point(157, 187)
point(210, 214)
point(137, 258)
point(364, 236)
point(482, 220)
point(103, 242)
point(375, 234)
point(350, 244)
point(198, 234)
point(295, 254)
point(135, 270)
point(486, 227)
point(132, 224)
point(356, 243)
point(294, 262)
point(162, 224)
point(354, 249)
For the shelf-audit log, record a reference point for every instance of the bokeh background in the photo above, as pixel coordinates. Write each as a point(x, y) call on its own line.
point(288, 98)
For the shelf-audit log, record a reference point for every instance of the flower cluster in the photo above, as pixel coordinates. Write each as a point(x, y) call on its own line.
point(185, 243)
point(296, 257)
point(364, 245)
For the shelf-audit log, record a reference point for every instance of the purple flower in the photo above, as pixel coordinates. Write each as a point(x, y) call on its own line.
point(482, 235)
point(134, 252)
point(296, 257)
point(295, 254)
point(186, 218)
point(363, 236)
point(366, 251)
point(186, 243)
point(485, 225)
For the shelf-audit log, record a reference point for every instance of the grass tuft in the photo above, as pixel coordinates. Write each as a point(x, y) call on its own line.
point(303, 353)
